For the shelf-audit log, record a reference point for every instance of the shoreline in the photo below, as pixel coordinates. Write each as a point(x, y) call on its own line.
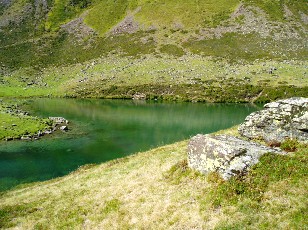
point(145, 96)
point(156, 188)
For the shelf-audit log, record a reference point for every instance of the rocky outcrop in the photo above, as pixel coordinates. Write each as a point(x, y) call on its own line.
point(224, 154)
point(229, 155)
point(128, 25)
point(278, 121)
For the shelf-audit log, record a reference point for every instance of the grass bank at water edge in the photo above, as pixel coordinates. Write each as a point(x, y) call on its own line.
point(156, 190)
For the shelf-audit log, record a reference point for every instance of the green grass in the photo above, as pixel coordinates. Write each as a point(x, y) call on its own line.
point(275, 187)
point(63, 11)
point(105, 14)
point(275, 9)
point(172, 50)
point(186, 13)
point(248, 47)
point(156, 189)
point(14, 123)
point(187, 78)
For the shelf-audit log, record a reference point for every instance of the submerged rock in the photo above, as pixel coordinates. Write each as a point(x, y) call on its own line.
point(278, 121)
point(224, 154)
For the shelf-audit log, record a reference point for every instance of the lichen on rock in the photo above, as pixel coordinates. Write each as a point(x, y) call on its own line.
point(230, 156)
point(224, 154)
point(278, 121)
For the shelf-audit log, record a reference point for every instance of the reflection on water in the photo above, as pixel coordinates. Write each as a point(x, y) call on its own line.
point(102, 130)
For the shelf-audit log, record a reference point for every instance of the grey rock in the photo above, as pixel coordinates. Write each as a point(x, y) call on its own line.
point(48, 132)
point(139, 96)
point(64, 128)
point(26, 138)
point(58, 120)
point(225, 154)
point(6, 2)
point(278, 121)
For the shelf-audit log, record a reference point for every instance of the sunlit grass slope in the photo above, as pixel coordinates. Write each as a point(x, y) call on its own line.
point(275, 9)
point(156, 190)
point(159, 14)
point(232, 38)
point(186, 78)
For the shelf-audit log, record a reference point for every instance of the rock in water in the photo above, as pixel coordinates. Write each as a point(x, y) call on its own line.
point(58, 120)
point(278, 121)
point(64, 128)
point(224, 154)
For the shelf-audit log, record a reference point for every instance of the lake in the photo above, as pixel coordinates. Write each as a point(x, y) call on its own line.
point(102, 130)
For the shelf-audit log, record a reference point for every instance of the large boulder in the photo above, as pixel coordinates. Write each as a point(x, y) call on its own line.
point(278, 121)
point(224, 154)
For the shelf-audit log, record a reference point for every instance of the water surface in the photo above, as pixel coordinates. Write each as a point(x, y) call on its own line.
point(101, 130)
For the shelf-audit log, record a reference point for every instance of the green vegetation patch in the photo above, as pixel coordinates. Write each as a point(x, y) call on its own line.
point(181, 13)
point(63, 11)
point(172, 50)
point(275, 9)
point(180, 172)
point(53, 50)
point(14, 127)
point(263, 190)
point(249, 47)
point(15, 123)
point(7, 213)
point(106, 14)
point(227, 92)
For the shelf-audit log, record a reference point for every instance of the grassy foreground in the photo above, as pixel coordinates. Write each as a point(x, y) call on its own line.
point(156, 190)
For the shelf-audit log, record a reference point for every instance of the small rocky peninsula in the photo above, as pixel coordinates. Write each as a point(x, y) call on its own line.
point(16, 124)
point(228, 155)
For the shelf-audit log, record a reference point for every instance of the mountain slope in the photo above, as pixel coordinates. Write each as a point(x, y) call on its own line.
point(40, 34)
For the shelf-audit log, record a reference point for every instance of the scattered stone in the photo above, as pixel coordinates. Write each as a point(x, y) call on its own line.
point(139, 96)
point(59, 120)
point(278, 121)
point(48, 132)
point(64, 128)
point(78, 28)
point(227, 155)
point(26, 138)
point(40, 133)
point(127, 25)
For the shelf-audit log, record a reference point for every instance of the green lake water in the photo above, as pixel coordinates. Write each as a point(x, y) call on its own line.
point(102, 130)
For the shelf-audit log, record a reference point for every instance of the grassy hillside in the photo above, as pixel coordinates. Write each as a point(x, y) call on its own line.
point(186, 78)
point(39, 34)
point(156, 190)
point(221, 51)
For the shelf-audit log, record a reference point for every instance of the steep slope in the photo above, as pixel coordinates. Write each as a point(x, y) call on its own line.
point(40, 34)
